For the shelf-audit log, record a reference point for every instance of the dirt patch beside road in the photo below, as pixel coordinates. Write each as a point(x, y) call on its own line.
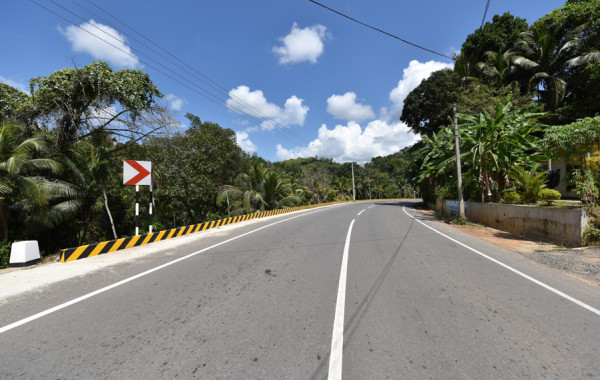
point(583, 263)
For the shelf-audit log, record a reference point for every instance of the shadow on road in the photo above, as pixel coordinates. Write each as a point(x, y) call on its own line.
point(353, 323)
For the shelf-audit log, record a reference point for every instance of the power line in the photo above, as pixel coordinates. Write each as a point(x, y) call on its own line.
point(379, 30)
point(210, 96)
point(226, 92)
point(487, 6)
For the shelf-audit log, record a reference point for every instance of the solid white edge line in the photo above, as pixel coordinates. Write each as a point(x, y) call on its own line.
point(129, 279)
point(337, 338)
point(361, 212)
point(535, 281)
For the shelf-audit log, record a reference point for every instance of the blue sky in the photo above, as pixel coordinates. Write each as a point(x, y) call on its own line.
point(290, 77)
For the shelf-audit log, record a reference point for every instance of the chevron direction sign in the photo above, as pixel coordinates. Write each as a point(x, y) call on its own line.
point(137, 172)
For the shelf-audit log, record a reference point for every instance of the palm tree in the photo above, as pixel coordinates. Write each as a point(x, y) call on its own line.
point(343, 186)
point(93, 174)
point(498, 66)
point(260, 189)
point(546, 54)
point(20, 181)
point(278, 192)
point(466, 67)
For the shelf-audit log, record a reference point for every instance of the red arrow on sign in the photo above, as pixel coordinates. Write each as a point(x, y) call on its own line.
point(142, 172)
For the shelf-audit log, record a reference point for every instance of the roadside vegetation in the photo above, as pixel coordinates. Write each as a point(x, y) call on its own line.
point(526, 93)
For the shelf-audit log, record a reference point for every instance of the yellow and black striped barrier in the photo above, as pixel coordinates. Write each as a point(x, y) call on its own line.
point(76, 253)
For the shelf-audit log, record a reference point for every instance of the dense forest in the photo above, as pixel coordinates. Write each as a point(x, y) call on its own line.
point(524, 93)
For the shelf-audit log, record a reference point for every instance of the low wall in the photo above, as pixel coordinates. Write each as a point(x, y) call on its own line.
point(558, 225)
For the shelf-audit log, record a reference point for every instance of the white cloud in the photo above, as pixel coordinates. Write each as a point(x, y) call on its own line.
point(380, 137)
point(244, 142)
point(301, 45)
point(175, 103)
point(351, 143)
point(345, 107)
point(19, 86)
point(412, 77)
point(84, 42)
point(253, 103)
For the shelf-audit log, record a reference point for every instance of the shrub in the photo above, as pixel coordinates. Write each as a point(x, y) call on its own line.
point(461, 220)
point(529, 182)
point(591, 235)
point(5, 253)
point(585, 186)
point(512, 197)
point(548, 196)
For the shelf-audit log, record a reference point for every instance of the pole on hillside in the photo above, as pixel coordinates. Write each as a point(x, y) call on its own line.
point(137, 209)
point(353, 190)
point(461, 203)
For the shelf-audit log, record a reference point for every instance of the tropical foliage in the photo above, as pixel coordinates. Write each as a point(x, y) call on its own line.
point(524, 93)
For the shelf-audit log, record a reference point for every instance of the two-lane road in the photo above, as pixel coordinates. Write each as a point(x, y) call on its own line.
point(262, 301)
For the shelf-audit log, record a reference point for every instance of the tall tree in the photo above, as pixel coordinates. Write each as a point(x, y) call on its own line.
point(582, 98)
point(11, 101)
point(498, 35)
point(189, 167)
point(428, 106)
point(547, 53)
point(75, 103)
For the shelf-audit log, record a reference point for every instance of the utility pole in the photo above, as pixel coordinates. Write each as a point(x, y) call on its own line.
point(461, 203)
point(353, 190)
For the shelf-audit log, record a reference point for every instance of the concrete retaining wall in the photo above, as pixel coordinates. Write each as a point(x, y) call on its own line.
point(558, 225)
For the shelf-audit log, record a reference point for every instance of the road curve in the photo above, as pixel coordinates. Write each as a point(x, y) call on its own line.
point(262, 301)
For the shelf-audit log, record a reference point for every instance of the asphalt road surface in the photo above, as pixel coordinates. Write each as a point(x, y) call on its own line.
point(356, 291)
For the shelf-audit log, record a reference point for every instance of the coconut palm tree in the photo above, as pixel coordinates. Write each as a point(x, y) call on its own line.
point(343, 186)
point(466, 67)
point(546, 54)
point(22, 184)
point(498, 66)
point(259, 189)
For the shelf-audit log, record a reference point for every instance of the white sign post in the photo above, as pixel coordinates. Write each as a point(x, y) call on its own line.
point(138, 173)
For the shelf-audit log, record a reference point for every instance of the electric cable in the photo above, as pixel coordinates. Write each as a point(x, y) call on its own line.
point(379, 30)
point(212, 97)
point(206, 79)
point(487, 6)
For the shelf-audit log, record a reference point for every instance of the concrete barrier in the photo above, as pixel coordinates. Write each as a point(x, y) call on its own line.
point(559, 225)
point(24, 253)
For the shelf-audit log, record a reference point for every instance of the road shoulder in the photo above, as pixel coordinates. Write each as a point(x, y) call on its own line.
point(581, 263)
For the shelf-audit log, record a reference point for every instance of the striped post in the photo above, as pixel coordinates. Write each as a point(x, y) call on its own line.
point(137, 209)
point(150, 209)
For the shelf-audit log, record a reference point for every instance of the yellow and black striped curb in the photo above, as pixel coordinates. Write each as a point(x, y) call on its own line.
point(76, 253)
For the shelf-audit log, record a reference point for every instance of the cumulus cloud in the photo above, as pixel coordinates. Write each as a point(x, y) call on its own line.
point(253, 103)
point(19, 86)
point(301, 45)
point(412, 77)
point(175, 103)
point(244, 142)
point(351, 143)
point(380, 137)
point(83, 42)
point(345, 107)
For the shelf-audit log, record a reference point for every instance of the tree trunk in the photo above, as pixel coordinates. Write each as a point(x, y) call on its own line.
point(112, 223)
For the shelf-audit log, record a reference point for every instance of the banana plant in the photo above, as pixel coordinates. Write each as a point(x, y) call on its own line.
point(494, 143)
